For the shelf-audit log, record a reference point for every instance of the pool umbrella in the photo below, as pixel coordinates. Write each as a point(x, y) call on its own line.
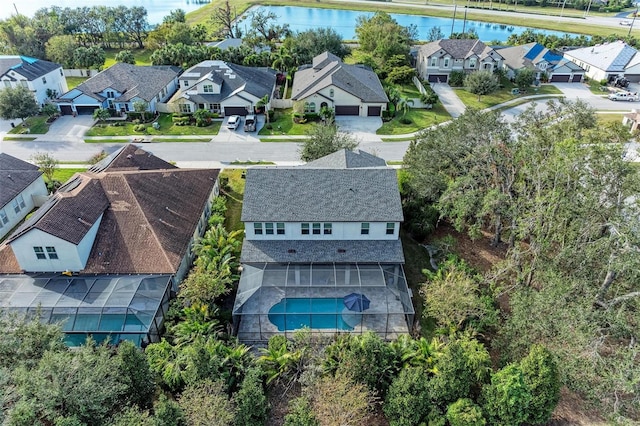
point(356, 302)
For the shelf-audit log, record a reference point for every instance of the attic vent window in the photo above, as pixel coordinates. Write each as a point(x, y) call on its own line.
point(291, 251)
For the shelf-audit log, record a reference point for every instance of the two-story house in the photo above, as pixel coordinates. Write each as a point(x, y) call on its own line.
point(106, 251)
point(545, 63)
point(318, 237)
point(45, 79)
point(607, 60)
point(436, 60)
point(344, 88)
point(119, 87)
point(21, 189)
point(223, 88)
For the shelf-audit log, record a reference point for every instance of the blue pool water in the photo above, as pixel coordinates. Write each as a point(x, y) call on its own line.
point(315, 313)
point(344, 22)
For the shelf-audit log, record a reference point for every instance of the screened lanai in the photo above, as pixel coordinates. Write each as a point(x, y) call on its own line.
point(280, 298)
point(119, 307)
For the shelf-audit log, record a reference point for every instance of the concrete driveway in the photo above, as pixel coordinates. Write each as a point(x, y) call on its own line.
point(70, 126)
point(450, 101)
point(5, 126)
point(238, 135)
point(574, 91)
point(363, 128)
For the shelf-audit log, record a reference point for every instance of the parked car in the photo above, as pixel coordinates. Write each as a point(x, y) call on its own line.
point(233, 122)
point(624, 96)
point(250, 123)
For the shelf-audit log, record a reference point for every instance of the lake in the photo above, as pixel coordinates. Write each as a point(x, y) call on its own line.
point(344, 22)
point(156, 9)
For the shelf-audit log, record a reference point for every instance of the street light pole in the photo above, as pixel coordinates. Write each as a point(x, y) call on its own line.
point(562, 11)
point(632, 22)
point(586, 13)
point(455, 6)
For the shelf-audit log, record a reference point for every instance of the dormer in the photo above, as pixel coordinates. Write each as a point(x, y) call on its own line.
point(209, 87)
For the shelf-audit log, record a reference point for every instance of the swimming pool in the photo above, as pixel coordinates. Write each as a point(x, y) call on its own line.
point(315, 313)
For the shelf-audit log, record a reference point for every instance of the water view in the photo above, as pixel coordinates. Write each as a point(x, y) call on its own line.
point(344, 21)
point(156, 9)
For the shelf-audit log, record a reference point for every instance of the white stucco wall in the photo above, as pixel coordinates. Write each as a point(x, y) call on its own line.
point(340, 97)
point(32, 192)
point(54, 81)
point(339, 231)
point(591, 71)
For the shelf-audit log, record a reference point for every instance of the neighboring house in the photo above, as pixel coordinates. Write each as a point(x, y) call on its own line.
point(119, 87)
point(127, 226)
point(347, 89)
point(22, 188)
point(315, 234)
point(235, 43)
point(436, 60)
point(45, 79)
point(608, 60)
point(223, 88)
point(632, 120)
point(546, 63)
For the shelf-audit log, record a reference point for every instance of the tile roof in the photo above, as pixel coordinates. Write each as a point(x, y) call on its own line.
point(15, 176)
point(307, 194)
point(610, 57)
point(457, 48)
point(328, 70)
point(144, 82)
point(30, 68)
point(347, 159)
point(321, 251)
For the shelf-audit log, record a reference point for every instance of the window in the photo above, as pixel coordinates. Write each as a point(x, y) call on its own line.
point(185, 83)
point(185, 108)
point(316, 229)
point(23, 83)
point(158, 98)
point(309, 107)
point(304, 229)
point(51, 251)
point(446, 62)
point(207, 88)
point(280, 228)
point(331, 93)
point(268, 228)
point(364, 229)
point(44, 80)
point(327, 229)
point(61, 73)
point(110, 94)
point(214, 107)
point(7, 83)
point(257, 228)
point(20, 199)
point(472, 63)
point(391, 228)
point(39, 253)
point(434, 62)
point(15, 205)
point(3, 217)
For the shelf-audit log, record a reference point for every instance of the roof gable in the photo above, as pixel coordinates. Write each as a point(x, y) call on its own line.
point(29, 68)
point(15, 176)
point(347, 159)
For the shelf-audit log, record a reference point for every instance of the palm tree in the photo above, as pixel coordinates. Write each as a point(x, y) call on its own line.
point(264, 102)
point(282, 60)
point(404, 104)
point(394, 96)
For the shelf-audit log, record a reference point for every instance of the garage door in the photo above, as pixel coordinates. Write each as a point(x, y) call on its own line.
point(66, 110)
point(562, 78)
point(577, 78)
point(633, 78)
point(374, 111)
point(435, 78)
point(228, 110)
point(86, 110)
point(347, 110)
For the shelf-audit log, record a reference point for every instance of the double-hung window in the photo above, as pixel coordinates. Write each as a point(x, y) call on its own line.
point(39, 253)
point(51, 251)
point(304, 229)
point(364, 228)
point(4, 219)
point(391, 228)
point(327, 229)
point(268, 228)
point(15, 205)
point(257, 228)
point(20, 199)
point(316, 229)
point(280, 228)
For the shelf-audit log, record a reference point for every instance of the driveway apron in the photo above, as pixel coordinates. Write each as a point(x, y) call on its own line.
point(450, 101)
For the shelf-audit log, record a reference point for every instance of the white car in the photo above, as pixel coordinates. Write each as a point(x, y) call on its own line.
point(233, 122)
point(624, 96)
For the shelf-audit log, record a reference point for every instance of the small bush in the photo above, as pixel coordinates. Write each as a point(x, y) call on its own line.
point(136, 121)
point(312, 117)
point(300, 413)
point(405, 120)
point(269, 126)
point(456, 78)
point(139, 128)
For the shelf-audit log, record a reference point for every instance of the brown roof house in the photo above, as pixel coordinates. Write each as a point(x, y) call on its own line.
point(126, 226)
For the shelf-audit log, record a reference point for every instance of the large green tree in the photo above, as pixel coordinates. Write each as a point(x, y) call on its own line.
point(303, 46)
point(17, 102)
point(325, 139)
point(481, 83)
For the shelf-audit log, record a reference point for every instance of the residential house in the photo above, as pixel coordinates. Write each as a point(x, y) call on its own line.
point(223, 88)
point(45, 79)
point(122, 232)
point(607, 61)
point(632, 120)
point(119, 87)
point(347, 89)
point(436, 60)
point(22, 188)
point(315, 234)
point(547, 64)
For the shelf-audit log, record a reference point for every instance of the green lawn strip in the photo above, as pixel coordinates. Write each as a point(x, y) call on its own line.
point(409, 91)
point(170, 139)
point(420, 119)
point(19, 138)
point(166, 128)
point(115, 140)
point(37, 125)
point(283, 124)
point(234, 198)
point(606, 118)
point(525, 101)
point(501, 96)
point(252, 163)
point(143, 57)
point(63, 175)
point(596, 88)
point(297, 140)
point(74, 81)
point(395, 163)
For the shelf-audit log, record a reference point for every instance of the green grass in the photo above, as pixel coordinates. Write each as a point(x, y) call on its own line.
point(395, 163)
point(525, 101)
point(37, 125)
point(162, 139)
point(166, 128)
point(409, 91)
point(501, 96)
point(595, 87)
point(283, 139)
point(420, 119)
point(610, 118)
point(253, 163)
point(63, 175)
point(143, 57)
point(234, 195)
point(75, 81)
point(283, 124)
point(107, 140)
point(19, 138)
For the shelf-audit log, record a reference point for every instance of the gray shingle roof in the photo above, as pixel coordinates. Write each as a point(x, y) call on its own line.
point(15, 176)
point(144, 82)
point(515, 57)
point(458, 49)
point(130, 157)
point(328, 69)
point(330, 251)
point(306, 194)
point(30, 68)
point(346, 159)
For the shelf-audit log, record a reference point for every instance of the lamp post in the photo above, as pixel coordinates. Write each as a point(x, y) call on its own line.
point(562, 11)
point(586, 13)
point(632, 22)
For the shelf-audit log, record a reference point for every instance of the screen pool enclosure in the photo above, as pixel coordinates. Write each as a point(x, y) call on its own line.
point(130, 307)
point(325, 298)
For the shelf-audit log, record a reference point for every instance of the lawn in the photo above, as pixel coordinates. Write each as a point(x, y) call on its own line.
point(143, 57)
point(37, 125)
point(74, 81)
point(234, 195)
point(502, 95)
point(283, 124)
point(166, 128)
point(609, 118)
point(596, 87)
point(63, 175)
point(409, 91)
point(420, 119)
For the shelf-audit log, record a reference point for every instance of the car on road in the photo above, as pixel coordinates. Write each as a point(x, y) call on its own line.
point(250, 123)
point(233, 122)
point(624, 96)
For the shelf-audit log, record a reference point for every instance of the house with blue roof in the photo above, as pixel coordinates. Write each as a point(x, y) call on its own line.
point(45, 79)
point(607, 61)
point(546, 63)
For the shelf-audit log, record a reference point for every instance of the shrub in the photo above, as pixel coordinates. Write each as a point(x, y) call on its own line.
point(98, 157)
point(464, 412)
point(206, 403)
point(405, 120)
point(167, 412)
point(253, 407)
point(456, 78)
point(408, 401)
point(312, 117)
point(139, 128)
point(300, 413)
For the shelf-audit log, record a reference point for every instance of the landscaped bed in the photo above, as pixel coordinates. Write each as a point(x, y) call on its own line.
point(167, 127)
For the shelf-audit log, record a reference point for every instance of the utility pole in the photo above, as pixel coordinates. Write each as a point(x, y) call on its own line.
point(562, 11)
point(586, 13)
point(464, 23)
point(455, 6)
point(16, 8)
point(632, 22)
